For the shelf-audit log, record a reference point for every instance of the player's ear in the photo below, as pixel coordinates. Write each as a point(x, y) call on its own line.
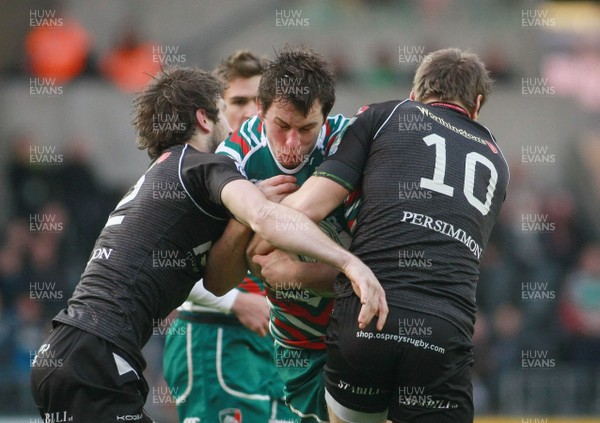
point(202, 120)
point(412, 95)
point(259, 106)
point(475, 112)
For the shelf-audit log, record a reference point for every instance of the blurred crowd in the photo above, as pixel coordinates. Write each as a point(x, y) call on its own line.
point(538, 300)
point(57, 208)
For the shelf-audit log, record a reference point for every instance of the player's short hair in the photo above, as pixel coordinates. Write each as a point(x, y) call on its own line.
point(452, 74)
point(241, 64)
point(166, 108)
point(298, 75)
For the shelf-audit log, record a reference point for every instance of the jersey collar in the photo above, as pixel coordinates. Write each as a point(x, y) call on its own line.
point(451, 106)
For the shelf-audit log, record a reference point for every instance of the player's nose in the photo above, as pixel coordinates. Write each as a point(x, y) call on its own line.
point(250, 110)
point(293, 138)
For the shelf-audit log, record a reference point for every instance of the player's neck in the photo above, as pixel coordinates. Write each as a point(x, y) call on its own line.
point(199, 143)
point(455, 105)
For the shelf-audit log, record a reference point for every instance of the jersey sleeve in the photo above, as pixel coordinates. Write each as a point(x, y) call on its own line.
point(348, 153)
point(204, 175)
point(335, 126)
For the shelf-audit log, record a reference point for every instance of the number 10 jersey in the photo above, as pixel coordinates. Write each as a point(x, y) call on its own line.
point(433, 182)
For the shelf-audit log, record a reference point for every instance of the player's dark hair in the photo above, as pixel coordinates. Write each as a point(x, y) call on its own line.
point(300, 76)
point(241, 64)
point(166, 108)
point(451, 74)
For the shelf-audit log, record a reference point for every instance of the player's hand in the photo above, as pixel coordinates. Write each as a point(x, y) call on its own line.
point(277, 266)
point(278, 187)
point(371, 294)
point(257, 246)
point(252, 310)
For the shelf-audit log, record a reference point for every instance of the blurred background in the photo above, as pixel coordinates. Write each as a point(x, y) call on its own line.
point(68, 74)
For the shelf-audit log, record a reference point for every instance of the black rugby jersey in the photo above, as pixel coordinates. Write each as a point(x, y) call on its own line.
point(433, 182)
point(152, 249)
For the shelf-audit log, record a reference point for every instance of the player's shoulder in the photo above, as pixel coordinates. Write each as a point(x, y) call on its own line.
point(249, 132)
point(383, 107)
point(373, 117)
point(191, 157)
point(379, 113)
point(245, 139)
point(334, 127)
point(336, 123)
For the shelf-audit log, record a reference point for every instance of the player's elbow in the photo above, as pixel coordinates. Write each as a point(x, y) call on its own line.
point(215, 283)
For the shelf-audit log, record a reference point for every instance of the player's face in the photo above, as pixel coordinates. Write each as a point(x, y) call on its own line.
point(292, 135)
point(240, 98)
point(221, 129)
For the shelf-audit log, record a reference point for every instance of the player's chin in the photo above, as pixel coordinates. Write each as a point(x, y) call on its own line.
point(290, 161)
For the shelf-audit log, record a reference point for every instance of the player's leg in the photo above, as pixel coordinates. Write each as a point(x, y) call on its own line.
point(223, 371)
point(341, 414)
point(248, 374)
point(77, 376)
point(183, 367)
point(301, 371)
point(434, 375)
point(359, 371)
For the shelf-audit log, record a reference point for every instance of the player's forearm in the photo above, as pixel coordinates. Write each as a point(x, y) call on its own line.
point(317, 198)
point(292, 231)
point(227, 265)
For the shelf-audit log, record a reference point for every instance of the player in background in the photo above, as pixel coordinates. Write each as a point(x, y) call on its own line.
point(290, 137)
point(433, 182)
point(217, 359)
point(90, 366)
point(241, 71)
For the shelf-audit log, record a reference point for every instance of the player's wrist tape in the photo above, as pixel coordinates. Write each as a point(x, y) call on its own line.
point(199, 295)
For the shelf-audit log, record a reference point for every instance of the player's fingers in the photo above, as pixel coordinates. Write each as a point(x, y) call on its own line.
point(280, 179)
point(265, 328)
point(367, 310)
point(259, 259)
point(366, 315)
point(286, 188)
point(383, 312)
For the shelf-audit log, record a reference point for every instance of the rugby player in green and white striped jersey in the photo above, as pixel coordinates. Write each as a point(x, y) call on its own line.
point(290, 137)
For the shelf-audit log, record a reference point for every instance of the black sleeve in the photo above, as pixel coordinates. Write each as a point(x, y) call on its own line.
point(345, 166)
point(204, 176)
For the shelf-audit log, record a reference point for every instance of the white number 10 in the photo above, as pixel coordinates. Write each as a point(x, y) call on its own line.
point(439, 172)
